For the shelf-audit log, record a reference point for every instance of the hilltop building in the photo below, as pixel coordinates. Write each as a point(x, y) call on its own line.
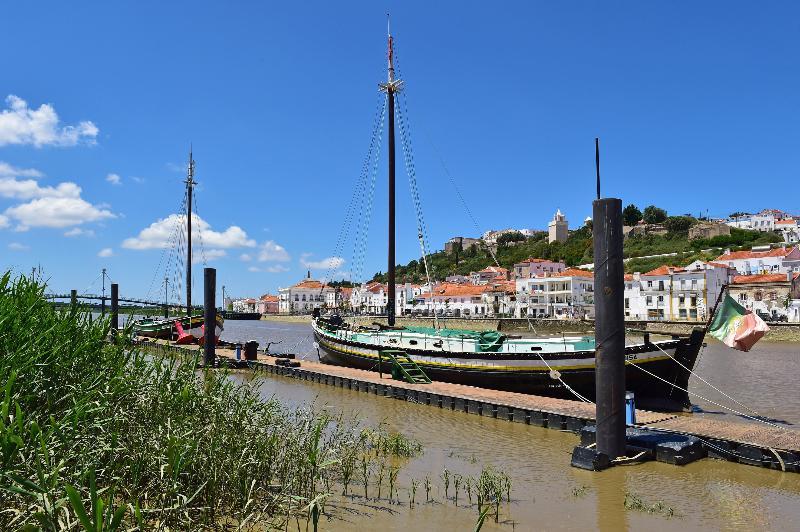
point(558, 228)
point(535, 267)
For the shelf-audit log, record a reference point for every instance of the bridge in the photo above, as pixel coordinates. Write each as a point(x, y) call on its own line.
point(104, 299)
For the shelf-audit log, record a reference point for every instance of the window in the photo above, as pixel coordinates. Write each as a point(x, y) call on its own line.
point(681, 299)
point(660, 299)
point(661, 285)
point(627, 303)
point(296, 297)
point(693, 313)
point(693, 301)
point(757, 296)
point(649, 284)
point(304, 297)
point(649, 300)
point(682, 313)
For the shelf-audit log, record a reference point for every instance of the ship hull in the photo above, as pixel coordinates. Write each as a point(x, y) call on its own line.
point(646, 366)
point(165, 329)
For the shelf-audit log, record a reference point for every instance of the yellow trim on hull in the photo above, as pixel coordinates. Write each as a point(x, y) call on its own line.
point(337, 348)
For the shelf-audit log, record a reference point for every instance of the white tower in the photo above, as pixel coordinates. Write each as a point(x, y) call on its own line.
point(558, 228)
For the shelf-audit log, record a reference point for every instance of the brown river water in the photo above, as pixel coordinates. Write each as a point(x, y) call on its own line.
point(548, 494)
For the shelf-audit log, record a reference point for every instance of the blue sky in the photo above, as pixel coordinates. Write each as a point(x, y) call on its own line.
point(696, 105)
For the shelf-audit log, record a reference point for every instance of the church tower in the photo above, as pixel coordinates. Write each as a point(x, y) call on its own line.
point(558, 228)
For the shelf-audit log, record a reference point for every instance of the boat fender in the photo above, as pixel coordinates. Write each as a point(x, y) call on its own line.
point(555, 374)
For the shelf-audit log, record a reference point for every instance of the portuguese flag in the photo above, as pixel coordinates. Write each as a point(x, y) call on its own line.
point(735, 326)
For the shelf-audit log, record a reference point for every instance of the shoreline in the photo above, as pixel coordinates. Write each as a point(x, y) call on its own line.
point(778, 332)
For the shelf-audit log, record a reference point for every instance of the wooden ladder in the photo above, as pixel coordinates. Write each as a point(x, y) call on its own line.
point(403, 367)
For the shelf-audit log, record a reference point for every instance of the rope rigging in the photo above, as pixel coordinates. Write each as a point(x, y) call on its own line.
point(358, 191)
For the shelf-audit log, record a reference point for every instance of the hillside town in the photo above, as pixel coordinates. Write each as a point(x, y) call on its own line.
point(763, 279)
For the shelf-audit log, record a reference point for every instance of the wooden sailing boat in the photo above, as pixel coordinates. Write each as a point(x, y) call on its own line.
point(657, 371)
point(187, 329)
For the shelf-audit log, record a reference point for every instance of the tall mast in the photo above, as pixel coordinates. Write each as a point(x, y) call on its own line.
point(190, 182)
point(391, 86)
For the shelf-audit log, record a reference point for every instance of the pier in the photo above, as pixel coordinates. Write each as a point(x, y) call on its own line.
point(745, 443)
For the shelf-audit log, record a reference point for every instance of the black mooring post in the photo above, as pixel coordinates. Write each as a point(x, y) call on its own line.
point(114, 309)
point(209, 316)
point(609, 307)
point(73, 297)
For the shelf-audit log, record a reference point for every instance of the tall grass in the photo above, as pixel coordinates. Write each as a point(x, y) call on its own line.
point(96, 435)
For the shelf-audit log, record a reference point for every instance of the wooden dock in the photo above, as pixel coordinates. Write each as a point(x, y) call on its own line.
point(747, 443)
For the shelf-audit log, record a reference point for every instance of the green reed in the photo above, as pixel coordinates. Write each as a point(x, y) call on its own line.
point(104, 436)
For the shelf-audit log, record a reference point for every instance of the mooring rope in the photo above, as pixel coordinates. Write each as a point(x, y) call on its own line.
point(555, 374)
point(706, 382)
point(706, 399)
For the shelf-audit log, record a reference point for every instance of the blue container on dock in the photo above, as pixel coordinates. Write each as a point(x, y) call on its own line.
point(238, 351)
point(630, 409)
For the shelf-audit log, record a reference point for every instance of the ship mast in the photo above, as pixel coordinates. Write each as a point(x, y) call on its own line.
point(190, 182)
point(391, 87)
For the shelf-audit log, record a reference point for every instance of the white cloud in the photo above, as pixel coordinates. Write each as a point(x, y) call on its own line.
point(77, 231)
point(272, 252)
point(20, 124)
point(329, 263)
point(275, 268)
point(114, 179)
point(106, 252)
point(3, 221)
point(208, 255)
point(245, 257)
point(16, 246)
point(6, 170)
point(159, 235)
point(138, 180)
point(28, 188)
point(56, 212)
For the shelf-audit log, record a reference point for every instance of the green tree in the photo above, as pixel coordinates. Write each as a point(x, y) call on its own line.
point(654, 215)
point(631, 215)
point(514, 236)
point(679, 224)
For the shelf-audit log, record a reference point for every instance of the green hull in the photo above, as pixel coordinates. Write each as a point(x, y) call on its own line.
point(164, 328)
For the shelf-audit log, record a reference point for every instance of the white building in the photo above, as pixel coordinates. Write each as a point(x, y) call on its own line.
point(635, 308)
point(537, 267)
point(490, 273)
point(568, 294)
point(682, 294)
point(301, 298)
point(558, 228)
point(245, 305)
point(457, 300)
point(763, 260)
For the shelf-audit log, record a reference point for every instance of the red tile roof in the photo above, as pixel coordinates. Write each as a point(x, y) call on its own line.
point(629, 277)
point(664, 270)
point(454, 290)
point(308, 284)
point(269, 298)
point(574, 272)
point(717, 265)
point(493, 269)
point(734, 255)
point(786, 222)
point(762, 278)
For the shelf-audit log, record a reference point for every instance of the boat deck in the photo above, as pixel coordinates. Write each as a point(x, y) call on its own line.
point(747, 443)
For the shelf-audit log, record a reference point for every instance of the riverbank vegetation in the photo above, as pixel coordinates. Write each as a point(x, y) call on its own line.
point(95, 435)
point(96, 432)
